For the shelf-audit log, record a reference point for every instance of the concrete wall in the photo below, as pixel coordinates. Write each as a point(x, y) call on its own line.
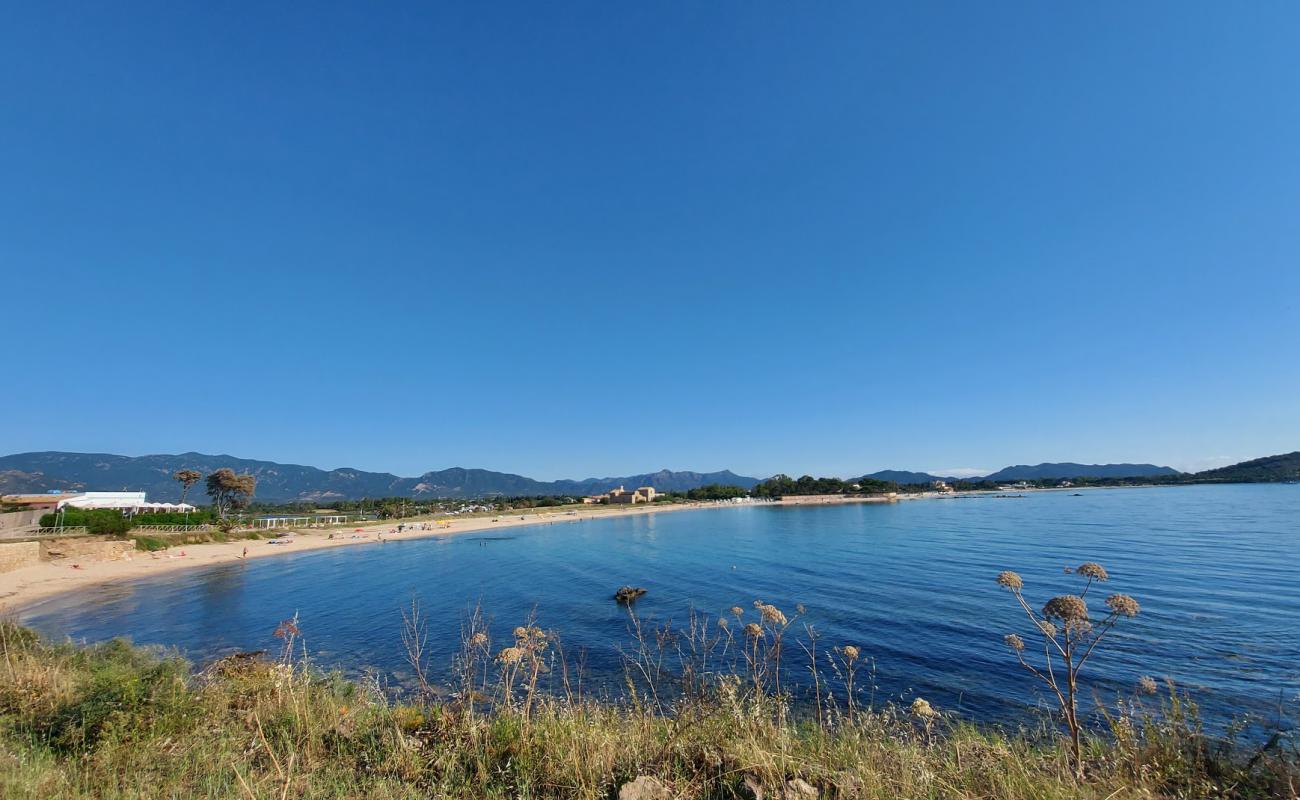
point(86, 548)
point(16, 555)
point(21, 519)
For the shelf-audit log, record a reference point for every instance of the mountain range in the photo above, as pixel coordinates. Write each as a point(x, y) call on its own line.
point(1025, 472)
point(279, 483)
point(46, 471)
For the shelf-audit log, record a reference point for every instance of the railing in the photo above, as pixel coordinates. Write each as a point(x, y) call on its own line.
point(66, 530)
point(172, 528)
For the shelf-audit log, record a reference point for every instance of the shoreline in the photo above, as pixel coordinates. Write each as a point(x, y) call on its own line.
point(23, 588)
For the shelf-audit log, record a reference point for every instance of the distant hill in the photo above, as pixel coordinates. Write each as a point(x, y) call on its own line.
point(41, 472)
point(1285, 467)
point(904, 477)
point(1024, 472)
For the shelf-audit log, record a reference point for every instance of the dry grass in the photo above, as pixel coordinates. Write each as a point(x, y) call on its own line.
point(702, 714)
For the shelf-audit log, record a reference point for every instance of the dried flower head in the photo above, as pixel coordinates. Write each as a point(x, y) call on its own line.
point(1092, 569)
point(1123, 605)
point(754, 630)
point(921, 709)
point(521, 632)
point(737, 610)
point(1068, 608)
point(1010, 580)
point(1146, 685)
point(758, 604)
point(1047, 628)
point(478, 640)
point(772, 614)
point(799, 607)
point(850, 652)
point(1014, 642)
point(722, 622)
point(510, 655)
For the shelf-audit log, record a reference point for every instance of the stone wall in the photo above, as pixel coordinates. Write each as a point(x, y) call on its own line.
point(86, 548)
point(16, 555)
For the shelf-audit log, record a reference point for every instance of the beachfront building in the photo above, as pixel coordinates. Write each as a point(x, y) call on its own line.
point(37, 502)
point(644, 494)
point(942, 487)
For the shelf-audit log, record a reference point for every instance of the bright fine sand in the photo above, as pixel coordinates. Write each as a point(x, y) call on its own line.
point(29, 584)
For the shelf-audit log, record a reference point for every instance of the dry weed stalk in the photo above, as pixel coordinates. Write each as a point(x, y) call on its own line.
point(1069, 635)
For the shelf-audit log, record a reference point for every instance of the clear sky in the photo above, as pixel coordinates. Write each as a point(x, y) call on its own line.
point(582, 239)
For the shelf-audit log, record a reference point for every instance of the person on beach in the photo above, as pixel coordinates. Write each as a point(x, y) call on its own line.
point(245, 555)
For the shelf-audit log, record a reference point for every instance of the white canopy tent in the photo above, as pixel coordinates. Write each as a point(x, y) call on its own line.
point(126, 502)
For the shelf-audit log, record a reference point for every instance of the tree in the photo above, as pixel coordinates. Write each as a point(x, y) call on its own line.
point(230, 492)
point(186, 478)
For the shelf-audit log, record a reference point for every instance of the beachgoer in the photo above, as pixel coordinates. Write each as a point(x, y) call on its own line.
point(245, 555)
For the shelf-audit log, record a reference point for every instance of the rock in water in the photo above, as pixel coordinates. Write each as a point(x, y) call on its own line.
point(627, 594)
point(644, 787)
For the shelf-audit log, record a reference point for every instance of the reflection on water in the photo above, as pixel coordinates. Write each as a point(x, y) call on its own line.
point(1215, 568)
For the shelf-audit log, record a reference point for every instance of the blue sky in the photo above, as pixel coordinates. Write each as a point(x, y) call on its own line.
point(603, 238)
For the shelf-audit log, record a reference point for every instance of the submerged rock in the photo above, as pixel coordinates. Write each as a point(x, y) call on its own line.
point(627, 594)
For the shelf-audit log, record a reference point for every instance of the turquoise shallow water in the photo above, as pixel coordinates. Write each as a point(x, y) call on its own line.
point(1216, 568)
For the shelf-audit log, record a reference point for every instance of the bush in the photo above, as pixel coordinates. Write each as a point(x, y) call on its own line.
point(100, 520)
point(201, 517)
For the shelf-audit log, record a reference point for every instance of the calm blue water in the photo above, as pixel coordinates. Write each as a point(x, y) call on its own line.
point(1216, 569)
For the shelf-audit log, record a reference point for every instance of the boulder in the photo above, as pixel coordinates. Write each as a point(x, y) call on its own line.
point(644, 787)
point(626, 594)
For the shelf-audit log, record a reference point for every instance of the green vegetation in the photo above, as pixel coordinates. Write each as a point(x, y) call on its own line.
point(1284, 467)
point(161, 541)
point(782, 485)
point(715, 491)
point(104, 521)
point(112, 522)
point(114, 721)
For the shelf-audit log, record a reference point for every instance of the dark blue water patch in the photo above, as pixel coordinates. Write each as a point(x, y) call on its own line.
point(911, 584)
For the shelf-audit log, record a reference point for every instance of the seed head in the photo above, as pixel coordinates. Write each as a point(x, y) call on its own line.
point(722, 622)
point(1092, 570)
point(921, 709)
point(799, 607)
point(478, 639)
point(754, 630)
point(772, 614)
point(1047, 628)
point(1010, 580)
point(737, 610)
point(1123, 605)
point(510, 655)
point(850, 652)
point(1146, 685)
point(1068, 608)
point(1014, 642)
point(521, 632)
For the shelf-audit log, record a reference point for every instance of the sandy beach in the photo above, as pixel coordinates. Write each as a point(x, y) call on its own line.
point(25, 586)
